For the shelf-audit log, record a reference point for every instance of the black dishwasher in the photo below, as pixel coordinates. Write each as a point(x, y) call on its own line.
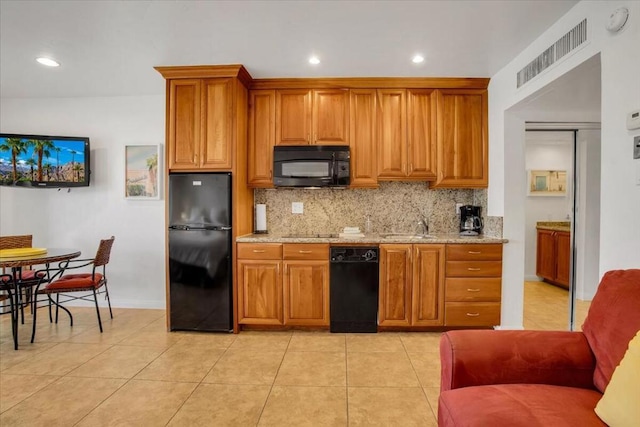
point(353, 291)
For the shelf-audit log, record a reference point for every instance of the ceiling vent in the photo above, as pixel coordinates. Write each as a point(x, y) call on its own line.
point(565, 44)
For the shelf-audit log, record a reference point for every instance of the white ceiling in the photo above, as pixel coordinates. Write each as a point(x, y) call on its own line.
point(109, 48)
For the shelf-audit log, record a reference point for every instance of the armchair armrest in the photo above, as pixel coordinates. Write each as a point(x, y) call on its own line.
point(482, 357)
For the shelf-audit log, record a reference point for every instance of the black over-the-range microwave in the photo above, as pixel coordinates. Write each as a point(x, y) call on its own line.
point(311, 166)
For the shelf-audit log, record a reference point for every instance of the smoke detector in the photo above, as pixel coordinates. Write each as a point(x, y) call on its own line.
point(617, 19)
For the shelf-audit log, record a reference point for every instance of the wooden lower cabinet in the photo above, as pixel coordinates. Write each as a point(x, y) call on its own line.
point(394, 307)
point(553, 256)
point(411, 285)
point(306, 293)
point(473, 285)
point(421, 285)
point(283, 284)
point(260, 292)
point(427, 304)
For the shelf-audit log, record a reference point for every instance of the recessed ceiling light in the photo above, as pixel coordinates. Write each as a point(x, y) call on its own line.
point(314, 60)
point(417, 59)
point(48, 62)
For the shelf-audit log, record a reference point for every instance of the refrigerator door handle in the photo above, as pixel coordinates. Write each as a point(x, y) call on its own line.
point(218, 228)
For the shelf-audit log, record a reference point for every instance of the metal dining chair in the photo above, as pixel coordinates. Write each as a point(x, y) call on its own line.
point(6, 302)
point(77, 286)
point(26, 279)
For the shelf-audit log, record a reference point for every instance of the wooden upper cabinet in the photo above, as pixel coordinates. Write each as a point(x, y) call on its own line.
point(184, 123)
point(330, 117)
point(462, 158)
point(394, 308)
point(391, 133)
point(362, 138)
point(262, 114)
point(293, 117)
point(216, 129)
point(421, 133)
point(200, 124)
point(305, 116)
point(427, 305)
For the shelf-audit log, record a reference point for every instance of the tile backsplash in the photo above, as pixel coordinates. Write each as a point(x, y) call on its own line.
point(393, 207)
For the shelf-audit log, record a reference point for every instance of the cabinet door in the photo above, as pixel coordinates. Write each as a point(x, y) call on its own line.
point(546, 255)
point(462, 138)
point(183, 138)
point(391, 134)
point(217, 133)
point(330, 117)
point(395, 285)
point(563, 257)
point(363, 138)
point(259, 292)
point(421, 133)
point(293, 117)
point(427, 305)
point(262, 114)
point(306, 293)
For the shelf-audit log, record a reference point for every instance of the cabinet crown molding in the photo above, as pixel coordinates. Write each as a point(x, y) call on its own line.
point(205, 71)
point(373, 82)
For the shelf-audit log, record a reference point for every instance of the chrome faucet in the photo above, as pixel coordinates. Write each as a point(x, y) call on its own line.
point(424, 226)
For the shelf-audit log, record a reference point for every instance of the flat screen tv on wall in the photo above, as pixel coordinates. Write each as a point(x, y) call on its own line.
point(44, 161)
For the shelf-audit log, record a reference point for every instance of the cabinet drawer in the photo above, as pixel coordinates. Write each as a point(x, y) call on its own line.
point(319, 251)
point(471, 252)
point(474, 268)
point(473, 289)
point(472, 314)
point(259, 251)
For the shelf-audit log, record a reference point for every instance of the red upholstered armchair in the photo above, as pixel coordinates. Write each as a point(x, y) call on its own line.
point(539, 378)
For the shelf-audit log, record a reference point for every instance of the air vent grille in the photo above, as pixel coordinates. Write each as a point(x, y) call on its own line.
point(574, 38)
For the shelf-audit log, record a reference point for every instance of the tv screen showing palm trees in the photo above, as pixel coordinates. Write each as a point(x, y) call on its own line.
point(44, 161)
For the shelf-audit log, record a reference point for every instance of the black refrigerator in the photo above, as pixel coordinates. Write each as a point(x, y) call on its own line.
point(200, 270)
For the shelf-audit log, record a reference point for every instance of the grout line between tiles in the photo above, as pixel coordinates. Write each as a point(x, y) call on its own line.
point(274, 380)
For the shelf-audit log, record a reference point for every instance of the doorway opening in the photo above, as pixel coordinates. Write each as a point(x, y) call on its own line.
point(569, 106)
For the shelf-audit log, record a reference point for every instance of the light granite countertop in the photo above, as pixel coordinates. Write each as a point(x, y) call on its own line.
point(554, 225)
point(372, 238)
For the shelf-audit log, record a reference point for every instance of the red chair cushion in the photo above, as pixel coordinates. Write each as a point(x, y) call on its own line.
point(31, 275)
point(26, 275)
point(518, 405)
point(76, 281)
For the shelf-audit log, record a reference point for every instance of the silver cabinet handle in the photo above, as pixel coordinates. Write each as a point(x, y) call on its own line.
point(304, 252)
point(258, 251)
point(473, 314)
point(473, 269)
point(475, 252)
point(473, 290)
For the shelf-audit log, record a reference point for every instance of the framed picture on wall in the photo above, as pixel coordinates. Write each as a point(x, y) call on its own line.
point(142, 172)
point(547, 183)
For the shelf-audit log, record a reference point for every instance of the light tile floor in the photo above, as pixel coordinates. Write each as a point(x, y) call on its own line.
point(546, 307)
point(136, 373)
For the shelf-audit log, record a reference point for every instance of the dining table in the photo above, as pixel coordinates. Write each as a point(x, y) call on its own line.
point(16, 262)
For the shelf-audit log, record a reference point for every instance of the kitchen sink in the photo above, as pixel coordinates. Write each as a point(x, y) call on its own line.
point(406, 236)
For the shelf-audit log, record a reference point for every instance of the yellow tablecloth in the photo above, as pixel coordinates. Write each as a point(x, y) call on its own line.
point(6, 253)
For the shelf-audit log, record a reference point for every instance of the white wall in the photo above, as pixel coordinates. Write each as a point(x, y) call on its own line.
point(620, 197)
point(587, 229)
point(545, 151)
point(81, 217)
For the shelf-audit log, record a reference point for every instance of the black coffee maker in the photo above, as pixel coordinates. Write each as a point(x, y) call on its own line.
point(470, 220)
